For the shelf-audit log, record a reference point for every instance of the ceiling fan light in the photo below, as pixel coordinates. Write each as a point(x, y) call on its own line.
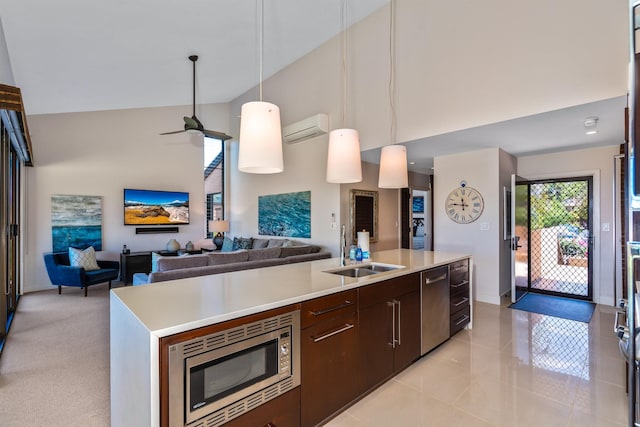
point(343, 160)
point(260, 139)
point(393, 167)
point(193, 132)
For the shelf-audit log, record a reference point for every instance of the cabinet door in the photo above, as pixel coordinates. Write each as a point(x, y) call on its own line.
point(376, 351)
point(283, 411)
point(329, 367)
point(407, 330)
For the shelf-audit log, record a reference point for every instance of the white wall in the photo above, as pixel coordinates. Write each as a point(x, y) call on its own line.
point(100, 154)
point(6, 72)
point(599, 163)
point(480, 170)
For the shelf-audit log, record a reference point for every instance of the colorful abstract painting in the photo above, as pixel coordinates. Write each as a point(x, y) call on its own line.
point(287, 215)
point(76, 221)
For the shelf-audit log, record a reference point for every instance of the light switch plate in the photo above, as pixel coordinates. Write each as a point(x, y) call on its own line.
point(484, 226)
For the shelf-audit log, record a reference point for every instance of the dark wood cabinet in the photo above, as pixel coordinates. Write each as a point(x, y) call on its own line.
point(134, 262)
point(459, 296)
point(283, 411)
point(389, 333)
point(329, 355)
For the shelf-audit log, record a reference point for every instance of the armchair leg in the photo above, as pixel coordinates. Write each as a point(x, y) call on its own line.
point(109, 284)
point(59, 289)
point(85, 291)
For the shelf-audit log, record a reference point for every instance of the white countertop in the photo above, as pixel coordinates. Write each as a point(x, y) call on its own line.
point(166, 308)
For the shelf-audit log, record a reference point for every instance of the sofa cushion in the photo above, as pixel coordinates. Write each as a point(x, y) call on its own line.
point(294, 250)
point(168, 263)
point(83, 258)
point(260, 243)
point(242, 243)
point(266, 253)
point(276, 243)
point(227, 257)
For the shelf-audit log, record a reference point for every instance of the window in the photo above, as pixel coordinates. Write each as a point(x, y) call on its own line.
point(213, 180)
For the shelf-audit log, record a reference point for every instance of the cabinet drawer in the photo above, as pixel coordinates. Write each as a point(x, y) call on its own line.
point(459, 272)
point(457, 303)
point(459, 321)
point(320, 309)
point(459, 288)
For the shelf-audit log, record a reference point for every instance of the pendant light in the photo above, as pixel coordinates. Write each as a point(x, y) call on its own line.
point(260, 139)
point(343, 158)
point(393, 158)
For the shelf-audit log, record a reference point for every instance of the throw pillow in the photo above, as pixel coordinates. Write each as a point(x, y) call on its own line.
point(227, 245)
point(83, 258)
point(155, 257)
point(260, 243)
point(242, 243)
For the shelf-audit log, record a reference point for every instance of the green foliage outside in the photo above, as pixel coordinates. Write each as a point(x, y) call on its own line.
point(559, 203)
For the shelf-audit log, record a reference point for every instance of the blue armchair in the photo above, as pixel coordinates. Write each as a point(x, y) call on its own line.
point(61, 273)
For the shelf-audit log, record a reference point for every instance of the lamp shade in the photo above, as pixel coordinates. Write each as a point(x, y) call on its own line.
point(260, 139)
point(343, 159)
point(219, 226)
point(393, 167)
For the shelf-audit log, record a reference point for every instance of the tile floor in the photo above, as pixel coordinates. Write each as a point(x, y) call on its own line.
point(513, 368)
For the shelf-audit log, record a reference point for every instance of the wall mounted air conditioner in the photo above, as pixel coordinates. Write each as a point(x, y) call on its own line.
point(308, 128)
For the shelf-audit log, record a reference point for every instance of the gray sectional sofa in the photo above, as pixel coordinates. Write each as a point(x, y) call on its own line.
point(181, 267)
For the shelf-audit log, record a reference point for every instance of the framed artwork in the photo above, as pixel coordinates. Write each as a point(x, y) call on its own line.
point(76, 221)
point(287, 215)
point(364, 213)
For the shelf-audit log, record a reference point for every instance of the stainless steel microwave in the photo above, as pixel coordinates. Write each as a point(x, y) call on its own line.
point(218, 377)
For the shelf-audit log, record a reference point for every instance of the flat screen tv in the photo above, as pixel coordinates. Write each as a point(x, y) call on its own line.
point(150, 207)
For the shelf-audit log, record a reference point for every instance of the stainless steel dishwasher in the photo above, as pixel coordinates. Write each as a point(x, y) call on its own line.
point(434, 306)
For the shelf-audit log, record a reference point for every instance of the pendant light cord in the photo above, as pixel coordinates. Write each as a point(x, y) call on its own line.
point(392, 60)
point(261, 43)
point(343, 51)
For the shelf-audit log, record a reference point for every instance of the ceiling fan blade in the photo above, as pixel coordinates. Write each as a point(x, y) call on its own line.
point(171, 133)
point(218, 135)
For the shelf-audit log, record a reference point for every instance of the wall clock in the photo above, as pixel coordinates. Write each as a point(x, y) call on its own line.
point(464, 204)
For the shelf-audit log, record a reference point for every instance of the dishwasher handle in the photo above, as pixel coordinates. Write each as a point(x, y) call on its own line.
point(430, 280)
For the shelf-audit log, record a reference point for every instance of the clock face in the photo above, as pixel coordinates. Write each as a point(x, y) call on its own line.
point(464, 205)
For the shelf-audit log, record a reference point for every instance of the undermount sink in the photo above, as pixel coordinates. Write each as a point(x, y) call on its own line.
point(362, 270)
point(354, 272)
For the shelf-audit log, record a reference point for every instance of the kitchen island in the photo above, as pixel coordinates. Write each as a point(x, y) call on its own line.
point(144, 315)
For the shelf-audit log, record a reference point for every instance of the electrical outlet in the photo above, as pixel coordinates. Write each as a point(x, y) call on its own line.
point(484, 226)
point(606, 226)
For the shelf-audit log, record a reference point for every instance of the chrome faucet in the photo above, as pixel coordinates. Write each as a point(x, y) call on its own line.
point(343, 244)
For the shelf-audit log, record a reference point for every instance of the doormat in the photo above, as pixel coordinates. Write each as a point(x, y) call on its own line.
point(564, 308)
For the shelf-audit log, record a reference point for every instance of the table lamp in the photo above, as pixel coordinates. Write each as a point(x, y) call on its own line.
point(218, 226)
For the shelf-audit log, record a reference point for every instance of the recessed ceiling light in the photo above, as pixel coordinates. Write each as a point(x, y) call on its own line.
point(412, 163)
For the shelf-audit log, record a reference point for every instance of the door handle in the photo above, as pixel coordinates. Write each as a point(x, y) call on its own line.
point(514, 243)
point(392, 304)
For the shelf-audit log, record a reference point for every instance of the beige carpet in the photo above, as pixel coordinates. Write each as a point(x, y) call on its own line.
point(54, 370)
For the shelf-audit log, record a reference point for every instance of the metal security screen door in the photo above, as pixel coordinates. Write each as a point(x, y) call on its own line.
point(560, 239)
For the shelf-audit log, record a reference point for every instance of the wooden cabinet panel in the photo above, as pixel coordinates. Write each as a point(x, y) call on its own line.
point(408, 331)
point(376, 351)
point(329, 359)
point(283, 411)
point(389, 314)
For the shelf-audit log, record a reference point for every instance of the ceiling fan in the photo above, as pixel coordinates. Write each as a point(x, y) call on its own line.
point(192, 124)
